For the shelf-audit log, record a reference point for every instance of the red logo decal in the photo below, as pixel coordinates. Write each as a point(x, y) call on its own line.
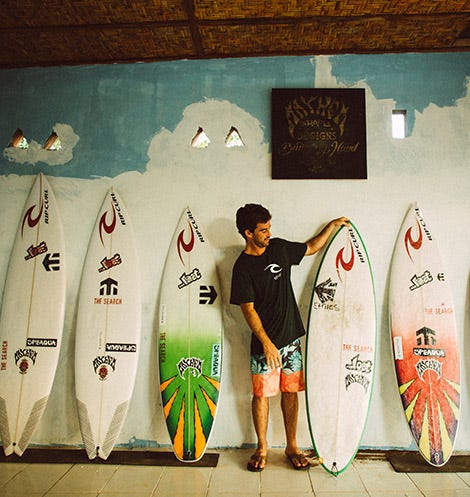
point(416, 244)
point(108, 228)
point(346, 265)
point(187, 247)
point(28, 217)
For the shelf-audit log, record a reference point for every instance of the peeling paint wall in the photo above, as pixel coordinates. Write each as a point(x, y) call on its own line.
point(131, 126)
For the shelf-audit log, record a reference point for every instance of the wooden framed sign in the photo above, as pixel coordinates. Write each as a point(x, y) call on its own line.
point(318, 133)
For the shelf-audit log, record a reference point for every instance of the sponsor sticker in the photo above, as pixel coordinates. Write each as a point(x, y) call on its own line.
point(424, 365)
point(215, 366)
point(41, 342)
point(398, 348)
point(193, 364)
point(4, 356)
point(121, 347)
point(24, 359)
point(163, 314)
point(103, 366)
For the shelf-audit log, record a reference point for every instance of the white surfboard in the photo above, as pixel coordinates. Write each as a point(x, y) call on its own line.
point(190, 339)
point(108, 328)
point(340, 355)
point(424, 338)
point(32, 318)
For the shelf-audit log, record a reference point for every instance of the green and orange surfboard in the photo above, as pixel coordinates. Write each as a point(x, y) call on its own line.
point(190, 340)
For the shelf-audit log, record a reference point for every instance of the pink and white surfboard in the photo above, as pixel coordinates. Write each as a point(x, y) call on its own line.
point(424, 338)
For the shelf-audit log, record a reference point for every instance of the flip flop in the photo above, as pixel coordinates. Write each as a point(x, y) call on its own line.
point(254, 463)
point(299, 461)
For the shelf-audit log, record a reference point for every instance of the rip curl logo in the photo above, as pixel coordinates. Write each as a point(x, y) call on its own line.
point(29, 219)
point(186, 246)
point(346, 265)
point(24, 359)
point(104, 227)
point(274, 269)
point(416, 244)
point(413, 243)
point(103, 366)
point(194, 364)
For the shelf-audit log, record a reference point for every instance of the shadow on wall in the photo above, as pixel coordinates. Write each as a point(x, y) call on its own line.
point(237, 338)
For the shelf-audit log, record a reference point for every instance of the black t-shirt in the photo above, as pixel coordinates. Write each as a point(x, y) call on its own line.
point(265, 281)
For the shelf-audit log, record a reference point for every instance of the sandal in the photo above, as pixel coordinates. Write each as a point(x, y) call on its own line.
point(254, 464)
point(298, 461)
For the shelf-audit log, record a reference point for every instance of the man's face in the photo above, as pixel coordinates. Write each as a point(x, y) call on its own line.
point(261, 234)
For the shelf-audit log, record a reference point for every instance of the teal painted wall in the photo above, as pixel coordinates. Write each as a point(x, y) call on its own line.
point(115, 110)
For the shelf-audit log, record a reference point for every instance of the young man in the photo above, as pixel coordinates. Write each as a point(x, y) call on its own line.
point(261, 286)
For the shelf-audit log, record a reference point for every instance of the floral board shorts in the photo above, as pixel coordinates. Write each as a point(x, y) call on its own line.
point(268, 382)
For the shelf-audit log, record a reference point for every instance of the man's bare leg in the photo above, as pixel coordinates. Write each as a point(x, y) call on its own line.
point(260, 413)
point(290, 410)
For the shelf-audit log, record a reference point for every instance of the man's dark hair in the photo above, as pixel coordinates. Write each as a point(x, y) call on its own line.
point(249, 216)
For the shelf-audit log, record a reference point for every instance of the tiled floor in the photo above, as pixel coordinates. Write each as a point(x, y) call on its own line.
point(228, 479)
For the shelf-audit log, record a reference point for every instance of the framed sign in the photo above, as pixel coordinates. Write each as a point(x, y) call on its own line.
point(318, 133)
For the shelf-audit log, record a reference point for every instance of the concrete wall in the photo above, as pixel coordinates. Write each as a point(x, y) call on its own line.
point(130, 126)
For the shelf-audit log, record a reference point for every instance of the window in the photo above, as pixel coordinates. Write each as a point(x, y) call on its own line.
point(398, 123)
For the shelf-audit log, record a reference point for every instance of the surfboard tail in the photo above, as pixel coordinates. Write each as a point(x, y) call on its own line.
point(8, 448)
point(113, 430)
point(87, 433)
point(31, 424)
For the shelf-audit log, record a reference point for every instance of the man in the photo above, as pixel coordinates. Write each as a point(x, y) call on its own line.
point(262, 287)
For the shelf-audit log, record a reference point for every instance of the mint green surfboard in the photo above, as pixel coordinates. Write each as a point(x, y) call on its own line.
point(190, 340)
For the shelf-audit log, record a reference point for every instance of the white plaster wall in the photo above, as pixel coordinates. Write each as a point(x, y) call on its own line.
point(431, 167)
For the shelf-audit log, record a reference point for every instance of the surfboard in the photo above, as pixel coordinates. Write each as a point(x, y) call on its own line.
point(32, 318)
point(424, 339)
point(108, 328)
point(190, 339)
point(340, 350)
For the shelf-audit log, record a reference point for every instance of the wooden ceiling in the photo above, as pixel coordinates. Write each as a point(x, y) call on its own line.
point(71, 32)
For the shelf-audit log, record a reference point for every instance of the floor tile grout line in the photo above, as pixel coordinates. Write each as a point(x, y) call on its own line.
point(311, 482)
point(420, 490)
point(209, 483)
point(352, 466)
point(57, 480)
point(155, 488)
point(108, 480)
point(468, 484)
point(11, 478)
